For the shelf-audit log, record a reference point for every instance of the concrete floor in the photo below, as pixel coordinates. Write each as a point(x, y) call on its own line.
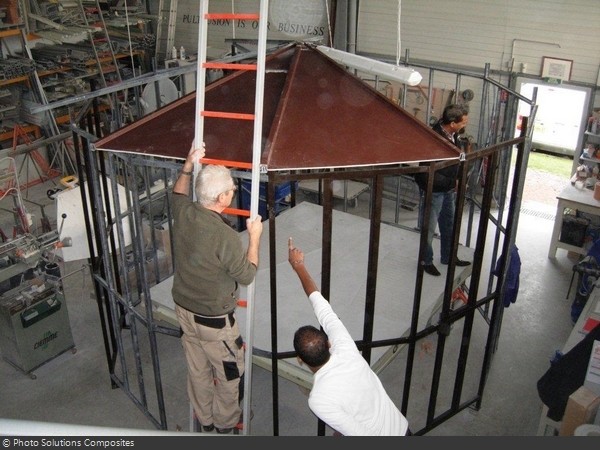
point(74, 388)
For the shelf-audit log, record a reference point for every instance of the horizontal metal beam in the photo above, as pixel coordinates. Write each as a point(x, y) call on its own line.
point(133, 82)
point(126, 84)
point(25, 148)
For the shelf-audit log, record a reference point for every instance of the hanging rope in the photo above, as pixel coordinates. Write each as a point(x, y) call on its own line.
point(233, 22)
point(129, 38)
point(398, 46)
point(328, 23)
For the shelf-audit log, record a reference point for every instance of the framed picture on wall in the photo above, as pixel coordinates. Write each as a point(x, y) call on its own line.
point(557, 68)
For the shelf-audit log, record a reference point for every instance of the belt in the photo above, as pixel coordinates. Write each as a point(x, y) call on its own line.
point(215, 322)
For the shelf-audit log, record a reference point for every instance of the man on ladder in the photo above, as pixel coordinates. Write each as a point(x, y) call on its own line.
point(253, 226)
point(210, 263)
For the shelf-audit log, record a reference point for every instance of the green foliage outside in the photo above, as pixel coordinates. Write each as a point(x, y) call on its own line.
point(545, 162)
point(557, 165)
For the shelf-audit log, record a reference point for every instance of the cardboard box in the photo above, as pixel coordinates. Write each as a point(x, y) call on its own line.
point(582, 407)
point(162, 238)
point(157, 269)
point(592, 377)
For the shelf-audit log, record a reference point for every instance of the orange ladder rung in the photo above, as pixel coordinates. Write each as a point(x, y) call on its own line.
point(227, 115)
point(232, 16)
point(229, 66)
point(237, 212)
point(224, 162)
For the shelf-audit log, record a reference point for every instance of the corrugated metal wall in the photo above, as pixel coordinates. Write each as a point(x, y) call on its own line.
point(476, 32)
point(288, 20)
point(467, 33)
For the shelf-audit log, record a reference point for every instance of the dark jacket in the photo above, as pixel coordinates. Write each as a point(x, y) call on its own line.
point(210, 260)
point(566, 375)
point(444, 180)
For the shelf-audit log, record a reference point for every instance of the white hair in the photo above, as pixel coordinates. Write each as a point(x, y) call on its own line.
point(211, 181)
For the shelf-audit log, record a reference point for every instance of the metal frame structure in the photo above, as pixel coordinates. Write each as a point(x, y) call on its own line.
point(122, 281)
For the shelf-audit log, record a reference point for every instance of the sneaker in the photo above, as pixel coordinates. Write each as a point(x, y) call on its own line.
point(208, 428)
point(224, 430)
point(431, 270)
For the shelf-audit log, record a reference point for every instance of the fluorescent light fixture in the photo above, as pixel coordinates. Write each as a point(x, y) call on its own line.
point(388, 71)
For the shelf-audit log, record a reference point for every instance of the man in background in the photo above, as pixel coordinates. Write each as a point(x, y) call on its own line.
point(443, 199)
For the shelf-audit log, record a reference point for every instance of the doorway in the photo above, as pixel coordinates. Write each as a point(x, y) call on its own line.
point(561, 116)
point(558, 132)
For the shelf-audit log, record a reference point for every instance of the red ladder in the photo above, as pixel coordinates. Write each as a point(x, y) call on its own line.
point(201, 112)
point(256, 117)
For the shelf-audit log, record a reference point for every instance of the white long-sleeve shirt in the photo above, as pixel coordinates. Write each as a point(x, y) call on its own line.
point(346, 394)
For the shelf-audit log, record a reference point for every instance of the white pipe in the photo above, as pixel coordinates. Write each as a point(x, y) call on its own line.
point(388, 71)
point(514, 43)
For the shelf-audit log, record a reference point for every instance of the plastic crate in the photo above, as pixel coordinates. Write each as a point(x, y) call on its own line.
point(282, 191)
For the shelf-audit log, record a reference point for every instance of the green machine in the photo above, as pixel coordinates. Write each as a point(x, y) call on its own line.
point(34, 321)
point(34, 324)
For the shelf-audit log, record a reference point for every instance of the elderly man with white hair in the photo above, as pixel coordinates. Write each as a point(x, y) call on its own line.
point(210, 263)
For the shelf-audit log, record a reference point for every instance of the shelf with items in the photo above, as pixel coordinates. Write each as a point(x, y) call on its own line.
point(16, 72)
point(20, 79)
point(72, 49)
point(14, 67)
point(592, 137)
point(593, 160)
point(13, 31)
point(8, 133)
point(590, 153)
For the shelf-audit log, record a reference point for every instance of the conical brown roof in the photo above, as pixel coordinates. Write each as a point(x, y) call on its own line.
point(315, 115)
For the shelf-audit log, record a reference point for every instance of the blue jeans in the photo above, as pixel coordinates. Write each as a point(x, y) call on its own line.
point(443, 205)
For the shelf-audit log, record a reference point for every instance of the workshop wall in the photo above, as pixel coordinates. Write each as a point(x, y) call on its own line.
point(464, 32)
point(287, 21)
point(472, 33)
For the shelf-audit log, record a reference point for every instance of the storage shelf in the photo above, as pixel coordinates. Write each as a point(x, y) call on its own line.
point(592, 136)
point(592, 160)
point(29, 129)
point(9, 33)
point(14, 80)
point(99, 65)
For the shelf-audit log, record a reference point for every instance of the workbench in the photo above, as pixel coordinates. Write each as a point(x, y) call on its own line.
point(577, 199)
point(397, 269)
